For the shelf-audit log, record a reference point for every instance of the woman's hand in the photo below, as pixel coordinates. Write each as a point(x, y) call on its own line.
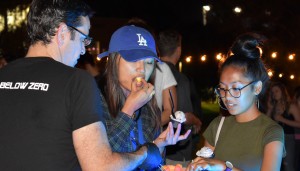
point(200, 163)
point(141, 93)
point(168, 137)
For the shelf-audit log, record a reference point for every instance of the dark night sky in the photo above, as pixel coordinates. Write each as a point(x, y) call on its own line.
point(278, 20)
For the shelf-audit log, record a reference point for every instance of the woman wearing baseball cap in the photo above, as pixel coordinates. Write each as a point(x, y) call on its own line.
point(134, 117)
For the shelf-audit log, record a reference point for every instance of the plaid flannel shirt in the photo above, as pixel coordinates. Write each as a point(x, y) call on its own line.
point(119, 128)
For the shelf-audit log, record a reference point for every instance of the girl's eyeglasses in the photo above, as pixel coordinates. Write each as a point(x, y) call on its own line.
point(234, 92)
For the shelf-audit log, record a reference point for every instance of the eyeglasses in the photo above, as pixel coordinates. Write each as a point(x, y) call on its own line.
point(234, 92)
point(87, 40)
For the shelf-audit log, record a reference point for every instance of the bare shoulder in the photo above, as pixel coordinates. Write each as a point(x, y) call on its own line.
point(294, 109)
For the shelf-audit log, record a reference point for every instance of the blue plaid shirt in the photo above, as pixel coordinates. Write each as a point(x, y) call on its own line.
point(120, 131)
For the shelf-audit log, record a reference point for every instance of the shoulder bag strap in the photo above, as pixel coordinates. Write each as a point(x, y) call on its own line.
point(219, 130)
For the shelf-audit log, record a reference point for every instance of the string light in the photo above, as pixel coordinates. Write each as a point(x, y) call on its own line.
point(219, 56)
point(292, 77)
point(203, 58)
point(274, 55)
point(206, 7)
point(270, 73)
point(237, 9)
point(188, 59)
point(292, 56)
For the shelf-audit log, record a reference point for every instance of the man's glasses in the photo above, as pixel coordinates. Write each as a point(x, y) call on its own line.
point(234, 92)
point(87, 40)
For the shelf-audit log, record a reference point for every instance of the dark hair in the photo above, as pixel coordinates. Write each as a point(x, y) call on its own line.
point(245, 53)
point(285, 95)
point(168, 41)
point(139, 22)
point(45, 16)
point(285, 99)
point(297, 93)
point(114, 94)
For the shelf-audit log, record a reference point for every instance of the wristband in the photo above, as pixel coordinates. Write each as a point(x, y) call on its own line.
point(153, 159)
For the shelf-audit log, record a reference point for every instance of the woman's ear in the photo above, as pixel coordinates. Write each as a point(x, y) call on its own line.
point(257, 87)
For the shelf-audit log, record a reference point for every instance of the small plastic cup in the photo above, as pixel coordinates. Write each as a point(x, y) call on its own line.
point(205, 152)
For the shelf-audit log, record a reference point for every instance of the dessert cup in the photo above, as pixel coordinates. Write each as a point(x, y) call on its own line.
point(180, 118)
point(205, 152)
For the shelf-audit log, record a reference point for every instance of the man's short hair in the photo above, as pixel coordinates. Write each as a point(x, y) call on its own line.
point(168, 41)
point(45, 16)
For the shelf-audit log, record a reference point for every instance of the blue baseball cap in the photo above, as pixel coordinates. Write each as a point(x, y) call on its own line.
point(133, 43)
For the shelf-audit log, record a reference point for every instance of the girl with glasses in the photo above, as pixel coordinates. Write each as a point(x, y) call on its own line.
point(248, 140)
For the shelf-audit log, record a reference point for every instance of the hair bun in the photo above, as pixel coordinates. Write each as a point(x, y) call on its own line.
point(248, 45)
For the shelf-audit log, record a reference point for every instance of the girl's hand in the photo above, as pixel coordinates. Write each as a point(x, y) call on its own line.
point(200, 163)
point(140, 94)
point(168, 137)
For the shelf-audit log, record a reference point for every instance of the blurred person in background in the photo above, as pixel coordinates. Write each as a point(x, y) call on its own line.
point(87, 62)
point(197, 110)
point(286, 112)
point(169, 46)
point(297, 129)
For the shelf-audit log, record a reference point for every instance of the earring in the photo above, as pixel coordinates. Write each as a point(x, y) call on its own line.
point(257, 104)
point(224, 108)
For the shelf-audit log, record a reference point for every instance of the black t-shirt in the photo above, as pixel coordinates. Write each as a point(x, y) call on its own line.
point(42, 103)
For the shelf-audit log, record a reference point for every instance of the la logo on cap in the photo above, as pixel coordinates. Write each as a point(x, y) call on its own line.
point(141, 41)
